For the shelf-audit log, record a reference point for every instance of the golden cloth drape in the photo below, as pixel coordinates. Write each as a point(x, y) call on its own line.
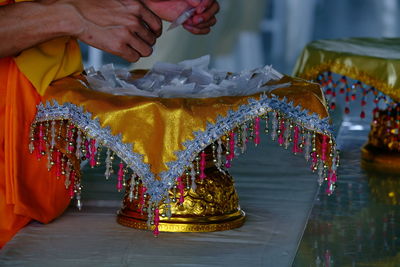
point(158, 127)
point(373, 61)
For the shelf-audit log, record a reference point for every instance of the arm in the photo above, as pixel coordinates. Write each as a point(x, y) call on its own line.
point(31, 23)
point(125, 28)
point(200, 23)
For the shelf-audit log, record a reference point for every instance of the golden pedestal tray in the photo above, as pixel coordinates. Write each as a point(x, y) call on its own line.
point(356, 68)
point(212, 206)
point(174, 153)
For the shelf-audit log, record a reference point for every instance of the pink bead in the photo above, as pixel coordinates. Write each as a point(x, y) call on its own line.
point(231, 154)
point(92, 153)
point(87, 149)
point(282, 129)
point(120, 177)
point(257, 131)
point(202, 165)
point(58, 163)
point(181, 188)
point(334, 177)
point(228, 163)
point(314, 160)
point(41, 141)
point(156, 231)
point(70, 148)
point(70, 138)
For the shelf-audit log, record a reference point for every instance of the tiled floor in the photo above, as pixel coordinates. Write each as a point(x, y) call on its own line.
point(360, 224)
point(276, 189)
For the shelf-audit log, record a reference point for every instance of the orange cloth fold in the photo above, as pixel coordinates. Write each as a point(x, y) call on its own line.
point(27, 190)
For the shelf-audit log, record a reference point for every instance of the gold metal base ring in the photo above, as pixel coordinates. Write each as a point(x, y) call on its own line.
point(374, 158)
point(188, 224)
point(211, 205)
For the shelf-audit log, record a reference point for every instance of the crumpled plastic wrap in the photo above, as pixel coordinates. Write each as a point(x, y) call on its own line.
point(187, 79)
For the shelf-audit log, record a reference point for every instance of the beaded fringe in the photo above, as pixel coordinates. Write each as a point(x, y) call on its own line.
point(62, 131)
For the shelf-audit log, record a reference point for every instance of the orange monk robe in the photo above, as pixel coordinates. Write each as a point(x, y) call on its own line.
point(27, 190)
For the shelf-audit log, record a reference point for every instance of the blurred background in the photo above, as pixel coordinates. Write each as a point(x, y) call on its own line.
point(254, 33)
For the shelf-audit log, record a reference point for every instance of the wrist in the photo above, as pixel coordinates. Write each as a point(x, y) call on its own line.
point(65, 19)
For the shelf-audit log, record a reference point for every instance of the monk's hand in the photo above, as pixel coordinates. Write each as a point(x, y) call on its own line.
point(126, 28)
point(200, 23)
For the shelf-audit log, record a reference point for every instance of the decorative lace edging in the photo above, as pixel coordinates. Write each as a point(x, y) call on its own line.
point(158, 189)
point(335, 84)
point(93, 129)
point(246, 112)
point(351, 72)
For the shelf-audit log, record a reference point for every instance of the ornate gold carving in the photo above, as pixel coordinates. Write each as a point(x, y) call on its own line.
point(169, 226)
point(383, 148)
point(385, 130)
point(213, 206)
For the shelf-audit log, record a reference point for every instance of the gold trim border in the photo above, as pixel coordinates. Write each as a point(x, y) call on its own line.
point(235, 220)
point(351, 72)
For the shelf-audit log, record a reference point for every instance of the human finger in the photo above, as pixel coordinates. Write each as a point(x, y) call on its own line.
point(206, 24)
point(194, 3)
point(207, 14)
point(195, 30)
point(146, 15)
point(118, 41)
point(145, 34)
point(129, 54)
point(203, 6)
point(139, 45)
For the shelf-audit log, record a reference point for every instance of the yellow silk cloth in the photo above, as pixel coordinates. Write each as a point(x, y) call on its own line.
point(373, 61)
point(158, 126)
point(58, 58)
point(49, 61)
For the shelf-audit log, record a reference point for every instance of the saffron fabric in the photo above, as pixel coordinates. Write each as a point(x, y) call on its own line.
point(27, 189)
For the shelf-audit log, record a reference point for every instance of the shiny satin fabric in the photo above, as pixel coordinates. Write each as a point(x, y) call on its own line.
point(374, 61)
point(158, 126)
point(50, 61)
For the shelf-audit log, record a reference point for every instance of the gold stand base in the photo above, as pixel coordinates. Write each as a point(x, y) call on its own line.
point(211, 205)
point(198, 224)
point(378, 159)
